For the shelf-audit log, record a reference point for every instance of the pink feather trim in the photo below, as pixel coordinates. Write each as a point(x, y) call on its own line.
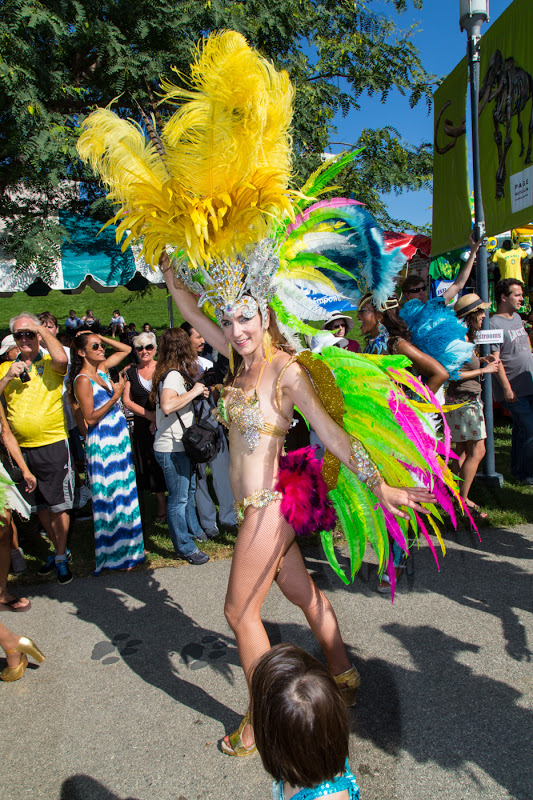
point(305, 504)
point(335, 202)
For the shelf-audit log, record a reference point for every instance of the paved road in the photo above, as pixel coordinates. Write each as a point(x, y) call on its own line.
point(142, 680)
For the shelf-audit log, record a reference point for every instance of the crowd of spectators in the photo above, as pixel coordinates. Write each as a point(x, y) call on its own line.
point(163, 392)
point(61, 435)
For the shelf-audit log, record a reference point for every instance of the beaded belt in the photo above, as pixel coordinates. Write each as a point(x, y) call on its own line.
point(258, 499)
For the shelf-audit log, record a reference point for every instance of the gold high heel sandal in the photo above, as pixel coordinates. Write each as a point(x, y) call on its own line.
point(234, 745)
point(348, 683)
point(25, 647)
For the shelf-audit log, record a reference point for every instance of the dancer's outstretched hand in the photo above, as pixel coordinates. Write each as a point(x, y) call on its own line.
point(392, 497)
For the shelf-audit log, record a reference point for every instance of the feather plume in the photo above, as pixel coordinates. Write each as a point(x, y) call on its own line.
point(436, 330)
point(320, 180)
point(342, 232)
point(227, 148)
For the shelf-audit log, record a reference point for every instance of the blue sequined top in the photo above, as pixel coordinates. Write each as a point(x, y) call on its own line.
point(378, 346)
point(344, 782)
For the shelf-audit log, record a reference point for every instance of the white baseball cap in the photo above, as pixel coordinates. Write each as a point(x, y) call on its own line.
point(7, 343)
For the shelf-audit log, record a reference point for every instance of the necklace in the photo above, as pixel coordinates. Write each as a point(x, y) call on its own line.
point(254, 387)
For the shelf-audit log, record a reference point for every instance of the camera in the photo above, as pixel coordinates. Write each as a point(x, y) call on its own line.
point(208, 378)
point(24, 376)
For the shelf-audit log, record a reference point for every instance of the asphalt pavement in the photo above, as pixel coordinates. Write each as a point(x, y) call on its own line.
point(142, 679)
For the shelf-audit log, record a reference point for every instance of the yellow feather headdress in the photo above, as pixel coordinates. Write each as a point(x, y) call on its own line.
point(227, 158)
point(214, 188)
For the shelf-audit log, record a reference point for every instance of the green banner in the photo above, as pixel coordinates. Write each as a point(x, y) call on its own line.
point(506, 119)
point(452, 221)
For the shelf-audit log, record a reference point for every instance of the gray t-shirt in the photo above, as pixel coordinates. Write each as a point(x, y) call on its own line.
point(515, 354)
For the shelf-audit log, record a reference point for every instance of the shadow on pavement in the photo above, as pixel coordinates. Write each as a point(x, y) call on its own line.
point(437, 710)
point(467, 576)
point(461, 718)
point(449, 714)
point(494, 587)
point(142, 624)
point(82, 787)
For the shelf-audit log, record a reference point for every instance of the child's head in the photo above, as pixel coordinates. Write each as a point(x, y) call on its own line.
point(299, 717)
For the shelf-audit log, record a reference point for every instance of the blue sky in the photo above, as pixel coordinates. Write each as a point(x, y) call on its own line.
point(441, 45)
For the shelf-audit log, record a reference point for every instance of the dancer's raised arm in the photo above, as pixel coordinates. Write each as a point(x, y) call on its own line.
point(188, 308)
point(296, 385)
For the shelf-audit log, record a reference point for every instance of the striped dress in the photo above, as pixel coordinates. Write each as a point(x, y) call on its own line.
point(118, 531)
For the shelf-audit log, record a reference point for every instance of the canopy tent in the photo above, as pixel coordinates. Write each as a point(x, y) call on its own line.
point(408, 243)
point(90, 258)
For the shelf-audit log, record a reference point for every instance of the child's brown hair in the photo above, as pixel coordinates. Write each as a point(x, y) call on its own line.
point(299, 717)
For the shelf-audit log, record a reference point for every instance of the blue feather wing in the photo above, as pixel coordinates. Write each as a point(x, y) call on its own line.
point(436, 331)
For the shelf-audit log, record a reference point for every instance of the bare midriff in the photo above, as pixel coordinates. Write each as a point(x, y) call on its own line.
point(255, 469)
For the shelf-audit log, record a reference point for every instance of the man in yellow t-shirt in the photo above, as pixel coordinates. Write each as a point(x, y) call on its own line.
point(509, 261)
point(33, 387)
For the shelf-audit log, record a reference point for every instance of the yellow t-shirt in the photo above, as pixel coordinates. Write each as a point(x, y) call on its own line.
point(35, 409)
point(510, 262)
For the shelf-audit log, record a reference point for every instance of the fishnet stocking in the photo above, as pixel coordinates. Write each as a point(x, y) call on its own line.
point(265, 544)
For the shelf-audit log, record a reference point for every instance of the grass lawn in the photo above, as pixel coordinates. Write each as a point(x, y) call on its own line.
point(151, 307)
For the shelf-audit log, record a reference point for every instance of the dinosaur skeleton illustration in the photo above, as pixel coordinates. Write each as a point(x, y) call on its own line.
point(511, 88)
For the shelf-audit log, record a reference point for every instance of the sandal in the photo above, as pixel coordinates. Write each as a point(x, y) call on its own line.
point(233, 745)
point(384, 581)
point(10, 604)
point(476, 511)
point(161, 518)
point(26, 647)
point(348, 683)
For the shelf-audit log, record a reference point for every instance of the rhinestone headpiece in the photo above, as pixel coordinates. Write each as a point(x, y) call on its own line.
point(244, 285)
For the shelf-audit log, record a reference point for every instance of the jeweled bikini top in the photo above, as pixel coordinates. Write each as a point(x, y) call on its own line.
point(236, 407)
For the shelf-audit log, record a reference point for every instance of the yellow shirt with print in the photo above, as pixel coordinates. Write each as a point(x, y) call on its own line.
point(35, 409)
point(510, 263)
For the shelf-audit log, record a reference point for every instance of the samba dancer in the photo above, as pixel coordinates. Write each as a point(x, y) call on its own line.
point(266, 549)
point(214, 187)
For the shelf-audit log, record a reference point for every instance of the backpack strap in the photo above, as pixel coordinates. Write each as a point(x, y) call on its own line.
point(160, 382)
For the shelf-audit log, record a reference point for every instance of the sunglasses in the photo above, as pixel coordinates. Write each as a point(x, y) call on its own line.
point(24, 335)
point(96, 346)
point(417, 290)
point(141, 347)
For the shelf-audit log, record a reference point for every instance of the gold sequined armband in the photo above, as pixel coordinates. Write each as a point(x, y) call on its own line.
point(363, 467)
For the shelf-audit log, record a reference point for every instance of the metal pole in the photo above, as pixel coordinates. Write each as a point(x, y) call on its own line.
point(170, 311)
point(489, 475)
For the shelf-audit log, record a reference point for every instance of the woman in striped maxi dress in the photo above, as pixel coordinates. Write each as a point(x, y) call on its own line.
point(117, 521)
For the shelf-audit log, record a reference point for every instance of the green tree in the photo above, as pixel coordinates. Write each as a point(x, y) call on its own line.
point(61, 58)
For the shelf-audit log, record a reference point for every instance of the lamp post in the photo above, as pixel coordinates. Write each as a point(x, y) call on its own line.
point(472, 13)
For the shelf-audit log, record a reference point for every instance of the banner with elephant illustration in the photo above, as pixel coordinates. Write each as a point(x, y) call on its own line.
point(452, 220)
point(505, 124)
point(506, 119)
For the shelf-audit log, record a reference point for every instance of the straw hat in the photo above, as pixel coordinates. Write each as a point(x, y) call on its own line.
point(335, 317)
point(468, 303)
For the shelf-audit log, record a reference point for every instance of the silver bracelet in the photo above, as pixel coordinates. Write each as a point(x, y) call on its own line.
point(363, 467)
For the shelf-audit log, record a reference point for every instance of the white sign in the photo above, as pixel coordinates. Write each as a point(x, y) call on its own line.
point(489, 337)
point(522, 189)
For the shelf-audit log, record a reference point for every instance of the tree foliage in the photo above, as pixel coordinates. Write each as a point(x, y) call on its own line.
point(61, 58)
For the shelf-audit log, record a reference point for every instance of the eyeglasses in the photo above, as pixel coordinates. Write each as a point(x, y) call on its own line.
point(24, 335)
point(141, 347)
point(416, 291)
point(96, 346)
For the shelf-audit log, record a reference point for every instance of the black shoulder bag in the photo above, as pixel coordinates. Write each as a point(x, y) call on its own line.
point(201, 441)
point(12, 469)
